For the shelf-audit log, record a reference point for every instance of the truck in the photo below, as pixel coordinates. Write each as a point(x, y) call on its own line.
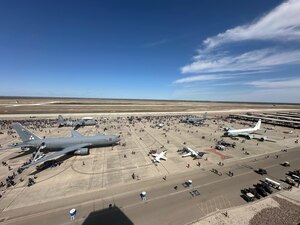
point(273, 183)
point(290, 181)
point(249, 197)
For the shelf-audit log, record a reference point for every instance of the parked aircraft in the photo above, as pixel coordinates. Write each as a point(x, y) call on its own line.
point(243, 132)
point(160, 125)
point(157, 157)
point(195, 120)
point(88, 121)
point(77, 144)
point(261, 138)
point(191, 152)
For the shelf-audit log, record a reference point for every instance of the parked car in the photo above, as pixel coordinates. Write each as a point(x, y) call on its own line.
point(261, 171)
point(245, 191)
point(254, 192)
point(261, 191)
point(248, 197)
point(290, 181)
point(286, 164)
point(266, 187)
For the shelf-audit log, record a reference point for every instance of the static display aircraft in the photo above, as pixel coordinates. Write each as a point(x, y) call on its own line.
point(243, 132)
point(195, 120)
point(77, 144)
point(191, 152)
point(75, 123)
point(157, 157)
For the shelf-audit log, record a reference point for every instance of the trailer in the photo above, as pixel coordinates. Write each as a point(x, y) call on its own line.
point(273, 183)
point(290, 181)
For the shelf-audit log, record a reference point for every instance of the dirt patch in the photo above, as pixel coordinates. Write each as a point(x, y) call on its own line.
point(288, 213)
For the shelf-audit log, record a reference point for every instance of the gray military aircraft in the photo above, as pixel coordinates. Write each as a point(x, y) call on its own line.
point(77, 144)
point(195, 120)
point(75, 123)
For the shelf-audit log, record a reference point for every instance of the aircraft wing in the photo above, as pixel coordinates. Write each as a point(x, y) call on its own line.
point(163, 157)
point(154, 154)
point(58, 153)
point(76, 134)
point(187, 154)
point(263, 138)
point(201, 154)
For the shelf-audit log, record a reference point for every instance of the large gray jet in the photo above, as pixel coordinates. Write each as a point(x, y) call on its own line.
point(195, 120)
point(77, 144)
point(75, 123)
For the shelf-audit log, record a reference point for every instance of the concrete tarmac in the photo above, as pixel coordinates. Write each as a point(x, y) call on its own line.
point(164, 204)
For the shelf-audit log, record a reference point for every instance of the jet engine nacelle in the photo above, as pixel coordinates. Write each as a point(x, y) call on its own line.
point(250, 136)
point(28, 148)
point(263, 138)
point(82, 151)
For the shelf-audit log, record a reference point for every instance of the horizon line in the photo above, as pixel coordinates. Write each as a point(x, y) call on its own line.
point(139, 99)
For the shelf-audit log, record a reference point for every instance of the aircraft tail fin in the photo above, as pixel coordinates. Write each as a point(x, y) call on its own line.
point(24, 134)
point(257, 126)
point(204, 116)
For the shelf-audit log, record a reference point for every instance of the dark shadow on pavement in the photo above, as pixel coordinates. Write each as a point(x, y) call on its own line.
point(110, 216)
point(22, 153)
point(59, 160)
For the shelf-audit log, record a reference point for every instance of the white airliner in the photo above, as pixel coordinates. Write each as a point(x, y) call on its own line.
point(191, 152)
point(157, 157)
point(244, 132)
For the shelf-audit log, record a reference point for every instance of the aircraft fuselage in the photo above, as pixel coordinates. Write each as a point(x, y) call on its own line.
point(54, 144)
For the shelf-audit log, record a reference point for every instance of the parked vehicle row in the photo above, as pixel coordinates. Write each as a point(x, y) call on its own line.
point(261, 189)
point(293, 178)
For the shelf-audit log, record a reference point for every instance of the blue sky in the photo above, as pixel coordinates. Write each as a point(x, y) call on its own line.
point(227, 50)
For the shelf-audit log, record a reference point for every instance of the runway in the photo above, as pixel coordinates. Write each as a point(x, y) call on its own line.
point(156, 113)
point(165, 205)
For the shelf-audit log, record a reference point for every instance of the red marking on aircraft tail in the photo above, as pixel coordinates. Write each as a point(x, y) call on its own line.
point(222, 156)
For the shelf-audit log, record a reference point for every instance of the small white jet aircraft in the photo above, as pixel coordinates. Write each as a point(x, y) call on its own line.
point(157, 157)
point(191, 152)
point(243, 132)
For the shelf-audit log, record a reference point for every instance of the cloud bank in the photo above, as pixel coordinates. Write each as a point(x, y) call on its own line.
point(237, 52)
point(281, 25)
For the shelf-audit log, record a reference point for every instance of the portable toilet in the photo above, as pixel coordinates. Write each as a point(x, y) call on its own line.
point(72, 214)
point(144, 195)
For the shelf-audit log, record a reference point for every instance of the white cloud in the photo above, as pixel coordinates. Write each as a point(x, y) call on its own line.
point(291, 83)
point(281, 26)
point(262, 59)
point(202, 78)
point(225, 56)
point(282, 23)
point(215, 76)
point(290, 94)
